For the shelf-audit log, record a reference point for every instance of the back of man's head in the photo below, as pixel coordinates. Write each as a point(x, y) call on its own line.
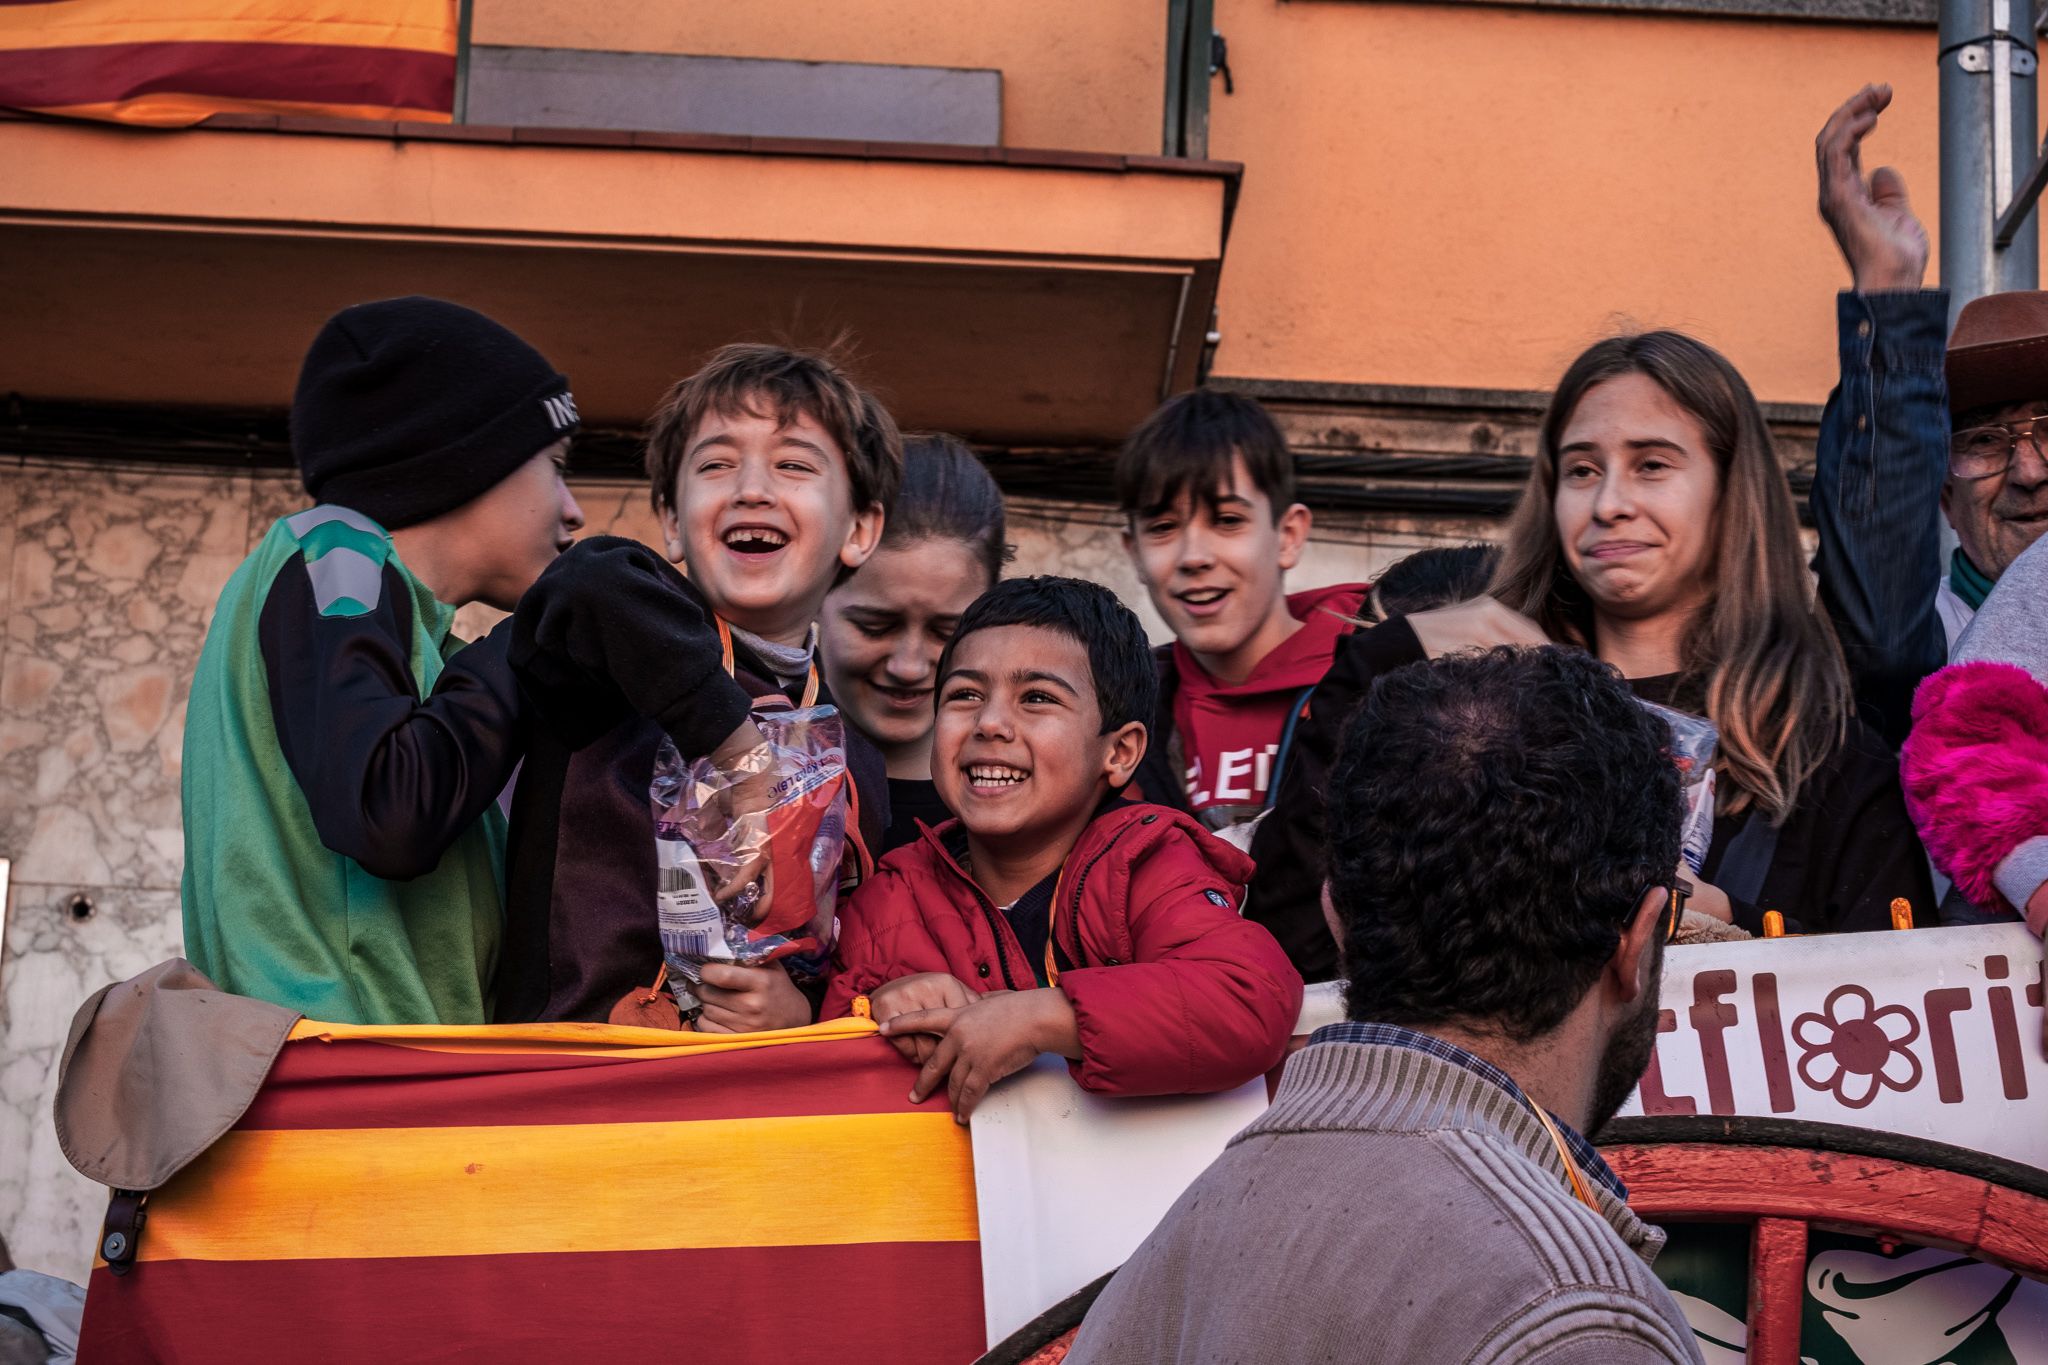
point(1494, 822)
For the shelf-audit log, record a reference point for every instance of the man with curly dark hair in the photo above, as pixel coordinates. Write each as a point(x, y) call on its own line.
point(1503, 828)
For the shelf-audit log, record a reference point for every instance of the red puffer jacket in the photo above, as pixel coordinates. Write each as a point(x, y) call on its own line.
point(1174, 992)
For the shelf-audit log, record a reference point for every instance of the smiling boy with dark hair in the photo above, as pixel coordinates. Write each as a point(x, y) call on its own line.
point(1052, 916)
point(1206, 485)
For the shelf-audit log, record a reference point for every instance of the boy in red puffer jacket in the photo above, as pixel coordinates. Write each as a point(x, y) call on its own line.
point(1053, 916)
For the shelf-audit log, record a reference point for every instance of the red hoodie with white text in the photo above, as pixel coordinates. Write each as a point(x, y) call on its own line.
point(1226, 736)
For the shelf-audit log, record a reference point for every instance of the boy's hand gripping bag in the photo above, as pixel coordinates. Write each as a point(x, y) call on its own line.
point(748, 857)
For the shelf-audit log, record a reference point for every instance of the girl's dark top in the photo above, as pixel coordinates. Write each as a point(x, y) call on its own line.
point(610, 636)
point(1846, 851)
point(911, 799)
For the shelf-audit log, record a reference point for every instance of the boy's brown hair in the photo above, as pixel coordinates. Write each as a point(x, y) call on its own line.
point(1187, 447)
point(782, 384)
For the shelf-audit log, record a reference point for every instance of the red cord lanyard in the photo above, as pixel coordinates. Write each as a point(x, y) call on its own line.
point(1571, 1167)
point(1052, 929)
point(810, 684)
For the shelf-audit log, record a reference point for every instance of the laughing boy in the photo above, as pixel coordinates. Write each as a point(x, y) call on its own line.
point(770, 470)
point(1052, 915)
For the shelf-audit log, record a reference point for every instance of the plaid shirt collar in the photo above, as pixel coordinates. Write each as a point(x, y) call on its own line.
point(1591, 1164)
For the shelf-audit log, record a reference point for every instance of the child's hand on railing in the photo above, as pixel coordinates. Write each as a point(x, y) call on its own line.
point(979, 1044)
point(909, 995)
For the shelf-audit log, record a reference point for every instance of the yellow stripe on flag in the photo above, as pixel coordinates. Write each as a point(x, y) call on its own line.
point(814, 1180)
point(418, 25)
point(575, 1040)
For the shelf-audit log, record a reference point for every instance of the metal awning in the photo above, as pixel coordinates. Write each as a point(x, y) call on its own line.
point(1013, 297)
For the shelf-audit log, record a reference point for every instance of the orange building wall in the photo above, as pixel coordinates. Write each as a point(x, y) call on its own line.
point(1436, 194)
point(1452, 195)
point(1083, 75)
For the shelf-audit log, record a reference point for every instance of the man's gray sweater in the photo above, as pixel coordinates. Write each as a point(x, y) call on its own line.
point(1389, 1207)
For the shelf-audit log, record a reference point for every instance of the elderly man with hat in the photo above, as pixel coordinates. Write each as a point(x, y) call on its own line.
point(1915, 425)
point(344, 751)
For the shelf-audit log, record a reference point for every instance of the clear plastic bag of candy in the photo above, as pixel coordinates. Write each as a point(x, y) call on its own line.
point(1693, 742)
point(747, 857)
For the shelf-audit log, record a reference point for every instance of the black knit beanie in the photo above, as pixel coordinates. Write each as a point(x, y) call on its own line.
point(408, 408)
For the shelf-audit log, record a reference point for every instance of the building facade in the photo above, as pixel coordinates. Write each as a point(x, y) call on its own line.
point(1395, 223)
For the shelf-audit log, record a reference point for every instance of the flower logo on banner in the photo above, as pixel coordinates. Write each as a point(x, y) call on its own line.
point(1854, 1049)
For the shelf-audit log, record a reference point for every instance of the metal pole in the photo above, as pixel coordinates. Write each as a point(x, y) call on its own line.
point(1176, 72)
point(1195, 79)
point(1987, 145)
point(1188, 27)
point(2013, 125)
point(465, 11)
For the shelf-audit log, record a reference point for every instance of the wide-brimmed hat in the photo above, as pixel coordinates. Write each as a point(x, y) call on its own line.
point(1999, 352)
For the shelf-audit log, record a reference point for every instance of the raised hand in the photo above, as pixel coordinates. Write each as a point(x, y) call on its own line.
point(1481, 623)
point(1883, 241)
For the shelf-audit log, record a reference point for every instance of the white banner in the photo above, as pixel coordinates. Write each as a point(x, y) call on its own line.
point(1934, 1033)
point(1068, 1183)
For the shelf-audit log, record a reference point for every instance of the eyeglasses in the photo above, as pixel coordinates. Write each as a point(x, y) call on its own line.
point(1987, 451)
point(1676, 892)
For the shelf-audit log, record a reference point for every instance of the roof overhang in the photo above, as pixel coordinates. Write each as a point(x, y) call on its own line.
point(1012, 297)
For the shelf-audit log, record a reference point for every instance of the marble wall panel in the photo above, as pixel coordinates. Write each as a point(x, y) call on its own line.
point(54, 960)
point(618, 509)
point(113, 580)
point(272, 496)
point(1083, 540)
point(110, 580)
point(10, 499)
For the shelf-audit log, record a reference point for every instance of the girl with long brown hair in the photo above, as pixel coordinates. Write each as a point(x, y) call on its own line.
point(883, 628)
point(1657, 531)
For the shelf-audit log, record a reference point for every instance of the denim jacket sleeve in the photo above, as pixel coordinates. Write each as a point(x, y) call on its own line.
point(1878, 470)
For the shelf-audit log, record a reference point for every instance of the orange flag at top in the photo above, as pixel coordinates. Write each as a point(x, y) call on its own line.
point(173, 62)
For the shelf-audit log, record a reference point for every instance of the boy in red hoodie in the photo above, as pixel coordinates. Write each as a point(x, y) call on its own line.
point(1052, 915)
point(1207, 487)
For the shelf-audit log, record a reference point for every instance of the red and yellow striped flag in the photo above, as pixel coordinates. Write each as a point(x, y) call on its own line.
point(563, 1192)
point(174, 62)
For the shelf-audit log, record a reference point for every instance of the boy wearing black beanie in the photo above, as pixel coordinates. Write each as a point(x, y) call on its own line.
point(343, 750)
